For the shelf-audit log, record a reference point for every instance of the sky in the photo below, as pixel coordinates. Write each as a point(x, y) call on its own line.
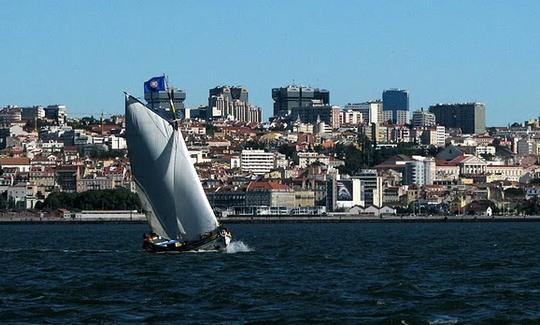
point(84, 54)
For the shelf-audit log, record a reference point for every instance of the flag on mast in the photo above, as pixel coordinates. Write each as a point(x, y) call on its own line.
point(155, 84)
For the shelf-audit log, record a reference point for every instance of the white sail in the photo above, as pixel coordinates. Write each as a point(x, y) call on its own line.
point(166, 176)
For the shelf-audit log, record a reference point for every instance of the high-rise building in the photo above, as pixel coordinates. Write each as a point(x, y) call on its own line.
point(232, 102)
point(422, 119)
point(230, 93)
point(286, 98)
point(469, 117)
point(396, 101)
point(371, 111)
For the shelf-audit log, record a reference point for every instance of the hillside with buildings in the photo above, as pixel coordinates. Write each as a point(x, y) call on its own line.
point(312, 157)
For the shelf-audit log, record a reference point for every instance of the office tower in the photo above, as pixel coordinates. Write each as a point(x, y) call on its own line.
point(228, 94)
point(286, 98)
point(469, 117)
point(396, 101)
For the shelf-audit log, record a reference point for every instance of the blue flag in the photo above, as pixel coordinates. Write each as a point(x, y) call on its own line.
point(155, 84)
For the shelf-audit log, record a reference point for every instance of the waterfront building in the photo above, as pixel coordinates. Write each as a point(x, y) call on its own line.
point(372, 188)
point(226, 198)
point(469, 117)
point(396, 103)
point(269, 194)
point(343, 192)
point(286, 98)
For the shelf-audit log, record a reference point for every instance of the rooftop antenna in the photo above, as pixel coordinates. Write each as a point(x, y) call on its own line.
point(101, 121)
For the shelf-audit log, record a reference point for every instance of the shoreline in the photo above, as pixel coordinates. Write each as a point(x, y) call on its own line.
point(292, 219)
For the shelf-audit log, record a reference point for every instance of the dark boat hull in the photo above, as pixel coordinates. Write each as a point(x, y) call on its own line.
point(214, 242)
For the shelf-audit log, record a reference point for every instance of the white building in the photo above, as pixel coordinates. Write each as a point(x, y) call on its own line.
point(371, 111)
point(199, 156)
point(307, 158)
point(485, 150)
point(352, 117)
point(420, 171)
point(258, 162)
point(116, 143)
point(21, 163)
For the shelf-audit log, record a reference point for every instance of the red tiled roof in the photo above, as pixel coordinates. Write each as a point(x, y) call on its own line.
point(14, 161)
point(267, 185)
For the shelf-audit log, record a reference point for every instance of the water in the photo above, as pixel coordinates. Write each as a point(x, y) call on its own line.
point(288, 273)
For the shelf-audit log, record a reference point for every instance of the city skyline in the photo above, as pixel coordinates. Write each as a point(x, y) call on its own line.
point(416, 48)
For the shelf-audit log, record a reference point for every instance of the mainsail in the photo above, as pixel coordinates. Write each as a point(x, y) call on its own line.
point(167, 182)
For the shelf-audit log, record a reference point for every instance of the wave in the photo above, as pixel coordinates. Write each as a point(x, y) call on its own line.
point(238, 246)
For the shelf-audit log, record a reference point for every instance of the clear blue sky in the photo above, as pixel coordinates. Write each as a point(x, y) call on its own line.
point(85, 53)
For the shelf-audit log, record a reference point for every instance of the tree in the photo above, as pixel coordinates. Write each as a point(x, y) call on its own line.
point(250, 144)
point(210, 129)
point(535, 181)
point(514, 193)
point(115, 199)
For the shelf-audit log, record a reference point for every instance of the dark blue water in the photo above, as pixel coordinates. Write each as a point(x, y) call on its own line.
point(295, 273)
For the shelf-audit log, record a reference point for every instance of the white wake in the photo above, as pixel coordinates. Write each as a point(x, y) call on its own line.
point(238, 247)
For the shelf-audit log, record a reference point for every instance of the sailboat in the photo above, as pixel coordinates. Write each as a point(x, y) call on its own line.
point(167, 184)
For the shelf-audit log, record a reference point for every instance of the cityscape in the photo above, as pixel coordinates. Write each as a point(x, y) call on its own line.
point(373, 157)
point(270, 162)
